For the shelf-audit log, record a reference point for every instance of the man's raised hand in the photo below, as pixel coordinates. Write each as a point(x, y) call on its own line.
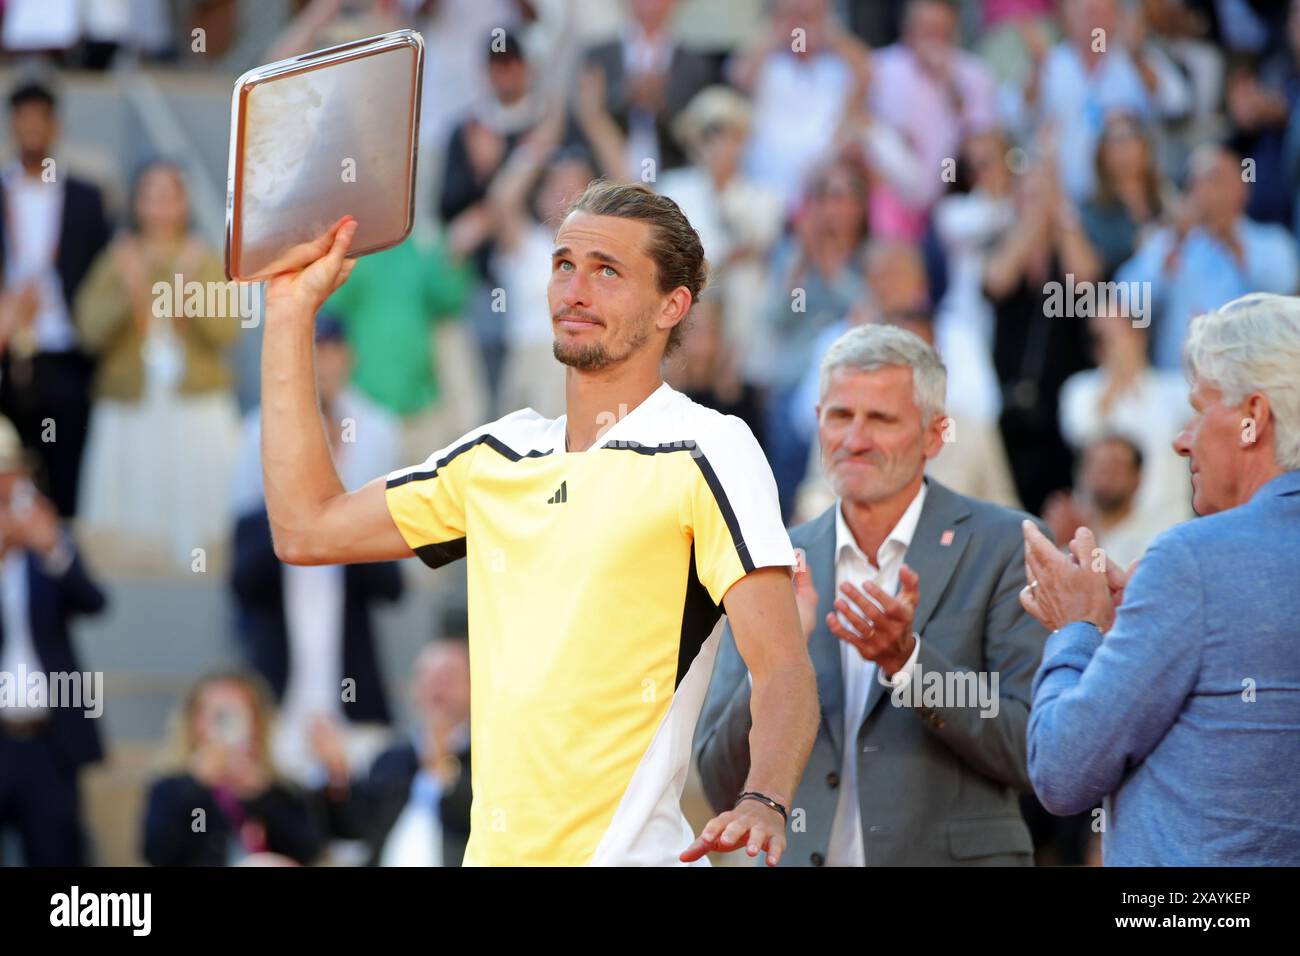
point(308, 273)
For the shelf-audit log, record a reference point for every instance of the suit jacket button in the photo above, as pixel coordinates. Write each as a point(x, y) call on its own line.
point(832, 780)
point(816, 859)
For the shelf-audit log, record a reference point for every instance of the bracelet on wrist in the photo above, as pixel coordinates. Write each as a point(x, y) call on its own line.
point(765, 800)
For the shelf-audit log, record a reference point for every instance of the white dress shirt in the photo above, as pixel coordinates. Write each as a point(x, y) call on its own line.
point(19, 659)
point(40, 25)
point(314, 605)
point(35, 217)
point(416, 836)
point(853, 566)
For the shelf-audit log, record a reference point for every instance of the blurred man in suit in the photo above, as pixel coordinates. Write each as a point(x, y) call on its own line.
point(45, 740)
point(1105, 497)
point(420, 788)
point(413, 807)
point(54, 227)
point(649, 77)
point(928, 777)
point(1173, 691)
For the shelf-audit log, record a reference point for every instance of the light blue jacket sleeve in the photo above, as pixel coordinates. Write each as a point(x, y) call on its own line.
point(1271, 260)
point(1148, 265)
point(1101, 705)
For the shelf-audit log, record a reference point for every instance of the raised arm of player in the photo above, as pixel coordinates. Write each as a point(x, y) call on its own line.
point(765, 621)
point(314, 520)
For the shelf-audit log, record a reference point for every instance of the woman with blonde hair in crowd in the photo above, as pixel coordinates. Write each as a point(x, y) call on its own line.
point(164, 426)
point(220, 801)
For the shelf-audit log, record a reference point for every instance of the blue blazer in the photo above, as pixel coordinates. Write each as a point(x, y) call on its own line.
point(83, 233)
point(1186, 717)
point(51, 602)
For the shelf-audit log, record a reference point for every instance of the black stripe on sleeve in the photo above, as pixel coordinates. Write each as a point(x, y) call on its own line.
point(699, 614)
point(491, 441)
point(442, 552)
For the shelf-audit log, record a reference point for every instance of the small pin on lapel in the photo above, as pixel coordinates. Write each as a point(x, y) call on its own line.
point(945, 539)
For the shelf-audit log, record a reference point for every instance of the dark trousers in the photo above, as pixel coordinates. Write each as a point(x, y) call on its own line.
point(50, 389)
point(1058, 841)
point(40, 800)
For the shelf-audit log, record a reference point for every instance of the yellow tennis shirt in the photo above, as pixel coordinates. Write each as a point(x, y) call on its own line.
point(595, 580)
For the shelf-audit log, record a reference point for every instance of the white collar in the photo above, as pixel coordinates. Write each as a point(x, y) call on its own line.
point(507, 119)
point(902, 531)
point(660, 47)
point(656, 399)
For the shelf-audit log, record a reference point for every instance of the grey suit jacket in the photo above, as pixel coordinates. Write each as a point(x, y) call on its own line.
point(936, 785)
point(688, 73)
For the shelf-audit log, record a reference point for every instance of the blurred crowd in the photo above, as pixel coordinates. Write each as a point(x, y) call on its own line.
point(984, 173)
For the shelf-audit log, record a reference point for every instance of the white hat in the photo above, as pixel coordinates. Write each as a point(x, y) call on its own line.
point(711, 107)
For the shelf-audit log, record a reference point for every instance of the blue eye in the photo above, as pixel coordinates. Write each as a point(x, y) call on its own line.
point(564, 265)
point(609, 270)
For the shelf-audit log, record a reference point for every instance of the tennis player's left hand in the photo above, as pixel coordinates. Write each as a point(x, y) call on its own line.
point(753, 825)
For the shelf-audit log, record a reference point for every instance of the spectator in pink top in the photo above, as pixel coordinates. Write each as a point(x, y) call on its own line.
point(997, 12)
point(934, 93)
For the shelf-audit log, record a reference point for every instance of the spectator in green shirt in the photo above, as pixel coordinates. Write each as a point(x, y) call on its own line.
point(390, 308)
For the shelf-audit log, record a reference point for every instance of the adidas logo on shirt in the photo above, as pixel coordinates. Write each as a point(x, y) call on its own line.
point(561, 494)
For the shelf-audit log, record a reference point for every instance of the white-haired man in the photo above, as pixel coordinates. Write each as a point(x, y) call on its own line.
point(1176, 695)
